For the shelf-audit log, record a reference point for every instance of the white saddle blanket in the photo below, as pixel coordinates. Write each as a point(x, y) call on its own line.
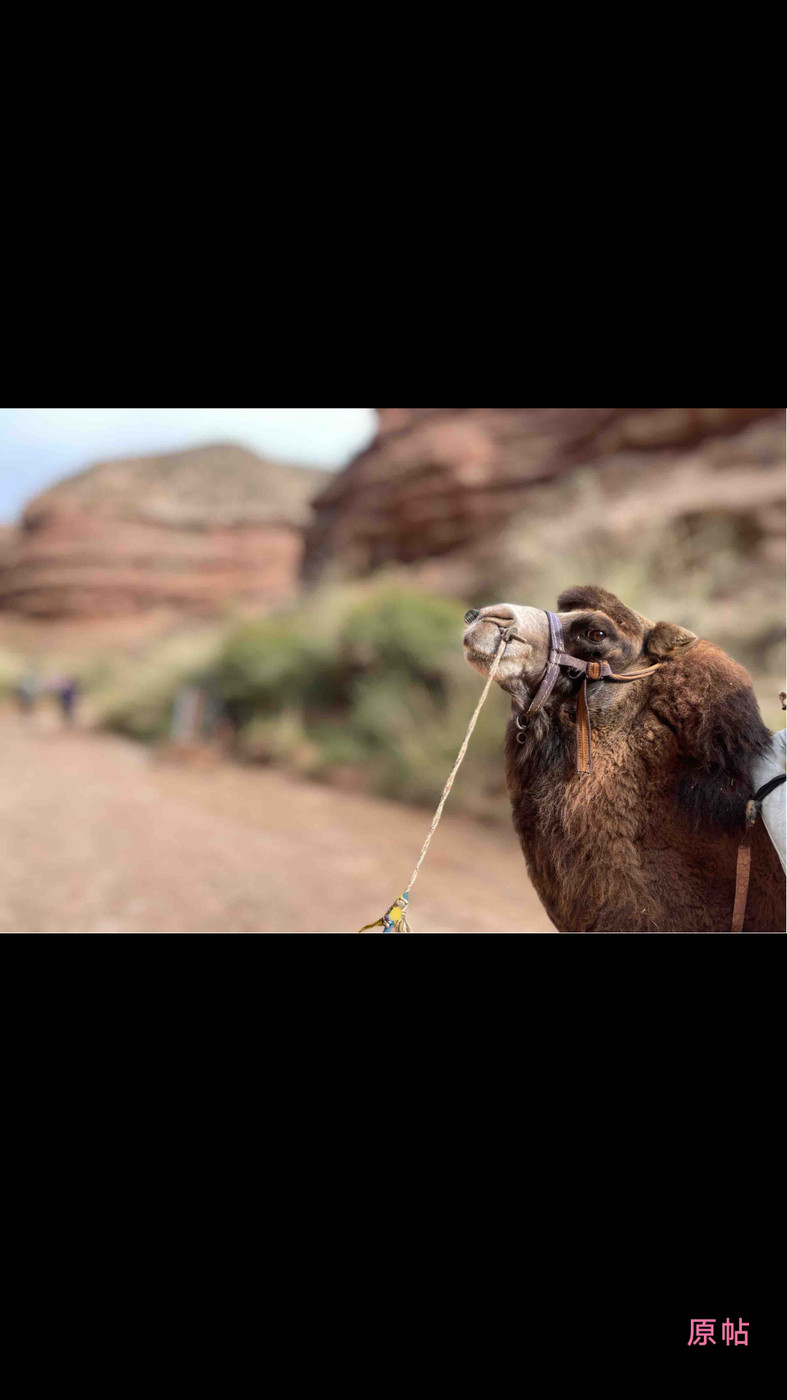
point(774, 807)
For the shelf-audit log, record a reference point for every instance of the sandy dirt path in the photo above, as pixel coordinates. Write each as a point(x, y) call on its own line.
point(95, 837)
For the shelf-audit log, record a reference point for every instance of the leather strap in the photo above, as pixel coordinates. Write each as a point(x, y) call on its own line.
point(743, 868)
point(584, 731)
point(631, 675)
point(604, 670)
point(557, 657)
point(766, 788)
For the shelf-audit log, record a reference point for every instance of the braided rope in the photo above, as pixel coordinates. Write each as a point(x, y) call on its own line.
point(455, 769)
point(394, 919)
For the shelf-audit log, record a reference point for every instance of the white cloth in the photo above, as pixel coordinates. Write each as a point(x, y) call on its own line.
point(774, 807)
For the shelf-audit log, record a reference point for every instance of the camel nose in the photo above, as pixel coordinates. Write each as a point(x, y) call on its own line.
point(471, 615)
point(499, 612)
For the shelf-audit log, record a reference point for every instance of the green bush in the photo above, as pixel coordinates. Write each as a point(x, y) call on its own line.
point(134, 695)
point(366, 685)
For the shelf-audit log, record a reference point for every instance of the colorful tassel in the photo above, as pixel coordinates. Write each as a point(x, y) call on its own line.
point(393, 920)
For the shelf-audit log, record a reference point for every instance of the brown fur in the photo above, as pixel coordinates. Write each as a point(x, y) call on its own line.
point(648, 841)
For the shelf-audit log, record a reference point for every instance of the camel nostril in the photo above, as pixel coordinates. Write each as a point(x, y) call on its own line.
point(471, 615)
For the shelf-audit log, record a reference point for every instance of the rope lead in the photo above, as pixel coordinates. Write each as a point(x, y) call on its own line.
point(393, 920)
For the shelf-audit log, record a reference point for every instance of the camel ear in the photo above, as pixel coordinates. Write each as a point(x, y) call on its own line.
point(667, 637)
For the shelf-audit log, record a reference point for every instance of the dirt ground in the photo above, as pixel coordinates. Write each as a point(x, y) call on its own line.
point(97, 837)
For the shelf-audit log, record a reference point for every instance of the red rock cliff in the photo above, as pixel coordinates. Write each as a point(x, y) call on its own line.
point(192, 531)
point(437, 481)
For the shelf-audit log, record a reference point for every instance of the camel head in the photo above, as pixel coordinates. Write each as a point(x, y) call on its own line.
point(596, 627)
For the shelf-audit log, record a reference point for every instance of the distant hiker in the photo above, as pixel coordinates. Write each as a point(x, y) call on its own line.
point(67, 693)
point(27, 691)
point(187, 715)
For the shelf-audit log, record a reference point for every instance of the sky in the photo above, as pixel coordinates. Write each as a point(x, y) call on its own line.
point(39, 446)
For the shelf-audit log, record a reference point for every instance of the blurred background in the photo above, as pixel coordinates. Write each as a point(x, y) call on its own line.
point(231, 675)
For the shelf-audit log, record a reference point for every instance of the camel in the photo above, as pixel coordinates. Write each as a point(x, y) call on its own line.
point(647, 841)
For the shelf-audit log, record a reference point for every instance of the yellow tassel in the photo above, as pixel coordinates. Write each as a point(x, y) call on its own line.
point(393, 919)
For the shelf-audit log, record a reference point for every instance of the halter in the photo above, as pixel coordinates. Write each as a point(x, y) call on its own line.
point(576, 667)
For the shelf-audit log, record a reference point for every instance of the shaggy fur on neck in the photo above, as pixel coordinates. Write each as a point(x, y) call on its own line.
point(648, 841)
point(709, 703)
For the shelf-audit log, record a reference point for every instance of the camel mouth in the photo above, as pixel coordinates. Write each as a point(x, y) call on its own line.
point(475, 650)
point(478, 658)
point(481, 642)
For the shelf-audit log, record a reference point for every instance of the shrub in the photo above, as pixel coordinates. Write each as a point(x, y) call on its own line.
point(134, 695)
point(364, 685)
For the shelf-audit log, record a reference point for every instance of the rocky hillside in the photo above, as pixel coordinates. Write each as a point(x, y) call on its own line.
point(190, 531)
point(437, 482)
point(681, 511)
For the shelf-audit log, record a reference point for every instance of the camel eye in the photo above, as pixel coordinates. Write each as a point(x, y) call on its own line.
point(594, 634)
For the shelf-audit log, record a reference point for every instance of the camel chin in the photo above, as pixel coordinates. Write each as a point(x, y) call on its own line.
point(509, 670)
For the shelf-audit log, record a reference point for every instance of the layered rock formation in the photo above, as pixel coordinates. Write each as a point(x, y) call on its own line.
point(440, 482)
point(190, 531)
